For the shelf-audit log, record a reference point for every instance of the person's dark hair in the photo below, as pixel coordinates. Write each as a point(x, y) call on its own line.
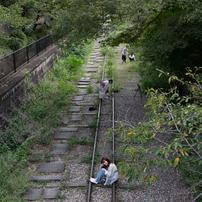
point(110, 81)
point(106, 159)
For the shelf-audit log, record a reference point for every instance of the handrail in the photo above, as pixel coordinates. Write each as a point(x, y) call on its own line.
point(11, 62)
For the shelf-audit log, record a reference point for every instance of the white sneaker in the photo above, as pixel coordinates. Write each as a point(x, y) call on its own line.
point(93, 180)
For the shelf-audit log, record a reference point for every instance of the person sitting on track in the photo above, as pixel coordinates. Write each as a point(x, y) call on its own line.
point(101, 89)
point(107, 169)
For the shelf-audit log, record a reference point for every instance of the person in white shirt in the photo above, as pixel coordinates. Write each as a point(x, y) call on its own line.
point(101, 90)
point(131, 57)
point(106, 87)
point(124, 54)
point(107, 169)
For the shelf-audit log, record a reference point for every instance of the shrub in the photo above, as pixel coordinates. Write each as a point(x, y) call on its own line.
point(17, 39)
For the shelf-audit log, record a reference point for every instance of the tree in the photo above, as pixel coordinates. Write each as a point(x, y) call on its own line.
point(169, 33)
point(178, 118)
point(82, 20)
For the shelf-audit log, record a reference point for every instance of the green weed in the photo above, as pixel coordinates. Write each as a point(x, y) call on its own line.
point(93, 124)
point(83, 141)
point(61, 196)
point(88, 159)
point(90, 89)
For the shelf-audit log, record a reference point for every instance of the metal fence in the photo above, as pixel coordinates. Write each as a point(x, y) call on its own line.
point(13, 61)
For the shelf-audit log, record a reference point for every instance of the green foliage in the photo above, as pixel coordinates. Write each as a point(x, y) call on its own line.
point(178, 118)
point(83, 20)
point(33, 122)
point(90, 89)
point(7, 3)
point(93, 124)
point(61, 196)
point(14, 177)
point(88, 159)
point(151, 26)
point(17, 39)
point(83, 141)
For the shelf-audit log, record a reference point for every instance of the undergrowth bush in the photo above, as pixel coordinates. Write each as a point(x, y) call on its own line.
point(14, 177)
point(17, 39)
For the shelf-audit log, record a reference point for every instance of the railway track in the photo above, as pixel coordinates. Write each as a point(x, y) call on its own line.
point(113, 191)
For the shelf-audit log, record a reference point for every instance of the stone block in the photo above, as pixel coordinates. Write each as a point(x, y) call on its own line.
point(58, 149)
point(51, 193)
point(76, 118)
point(82, 91)
point(78, 98)
point(87, 74)
point(75, 109)
point(63, 135)
point(91, 70)
point(33, 194)
point(48, 177)
point(66, 129)
point(55, 167)
point(83, 83)
point(91, 66)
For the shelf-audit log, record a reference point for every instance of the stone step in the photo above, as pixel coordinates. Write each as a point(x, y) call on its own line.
point(48, 177)
point(53, 167)
point(75, 109)
point(99, 60)
point(83, 83)
point(84, 80)
point(67, 129)
point(95, 53)
point(91, 70)
point(76, 184)
point(76, 117)
point(59, 149)
point(65, 120)
point(51, 193)
point(82, 86)
point(87, 74)
point(88, 113)
point(82, 91)
point(63, 136)
point(33, 194)
point(91, 66)
point(83, 103)
point(54, 184)
point(78, 98)
point(80, 126)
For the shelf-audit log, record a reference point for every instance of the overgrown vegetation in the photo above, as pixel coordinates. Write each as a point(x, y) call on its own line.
point(33, 123)
point(88, 159)
point(176, 123)
point(82, 141)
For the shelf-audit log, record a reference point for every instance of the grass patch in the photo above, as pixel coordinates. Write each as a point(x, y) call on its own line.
point(90, 89)
point(61, 196)
point(93, 124)
point(88, 159)
point(83, 141)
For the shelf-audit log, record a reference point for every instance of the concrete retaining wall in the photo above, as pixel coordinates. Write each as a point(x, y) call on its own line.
point(14, 88)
